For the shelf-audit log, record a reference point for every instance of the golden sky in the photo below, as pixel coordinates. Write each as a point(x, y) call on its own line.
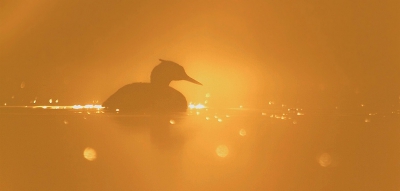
point(244, 52)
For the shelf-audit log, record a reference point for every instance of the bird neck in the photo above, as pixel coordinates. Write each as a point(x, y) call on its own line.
point(160, 82)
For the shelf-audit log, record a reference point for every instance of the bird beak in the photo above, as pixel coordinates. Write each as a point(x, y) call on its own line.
point(188, 78)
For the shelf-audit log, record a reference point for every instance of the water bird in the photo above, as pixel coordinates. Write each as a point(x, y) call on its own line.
point(156, 96)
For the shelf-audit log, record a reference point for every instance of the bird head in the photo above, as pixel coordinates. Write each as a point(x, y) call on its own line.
point(168, 71)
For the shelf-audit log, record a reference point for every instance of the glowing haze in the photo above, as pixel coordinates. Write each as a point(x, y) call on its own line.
point(248, 53)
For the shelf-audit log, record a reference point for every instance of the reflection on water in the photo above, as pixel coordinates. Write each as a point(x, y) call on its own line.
point(203, 149)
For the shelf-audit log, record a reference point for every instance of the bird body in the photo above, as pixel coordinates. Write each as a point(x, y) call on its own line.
point(156, 96)
point(146, 97)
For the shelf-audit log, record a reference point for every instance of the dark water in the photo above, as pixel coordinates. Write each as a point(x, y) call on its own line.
point(209, 150)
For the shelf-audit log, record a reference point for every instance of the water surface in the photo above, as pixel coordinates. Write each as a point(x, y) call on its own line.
point(226, 149)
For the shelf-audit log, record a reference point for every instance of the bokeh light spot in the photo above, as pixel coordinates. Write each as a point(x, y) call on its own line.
point(22, 84)
point(325, 160)
point(89, 154)
point(222, 151)
point(242, 132)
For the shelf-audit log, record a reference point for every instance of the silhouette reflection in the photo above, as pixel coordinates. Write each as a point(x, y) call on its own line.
point(160, 127)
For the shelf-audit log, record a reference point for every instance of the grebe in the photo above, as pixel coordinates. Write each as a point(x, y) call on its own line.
point(156, 96)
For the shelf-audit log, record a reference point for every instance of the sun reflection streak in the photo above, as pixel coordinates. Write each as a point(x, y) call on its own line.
point(196, 106)
point(77, 107)
point(87, 106)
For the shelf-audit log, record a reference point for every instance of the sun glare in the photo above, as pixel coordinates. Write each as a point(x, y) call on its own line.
point(87, 106)
point(196, 106)
point(77, 107)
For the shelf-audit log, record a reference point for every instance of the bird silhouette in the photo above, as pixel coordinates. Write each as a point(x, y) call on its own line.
point(156, 96)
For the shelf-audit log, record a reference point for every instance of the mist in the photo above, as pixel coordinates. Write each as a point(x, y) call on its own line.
point(295, 95)
point(310, 53)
